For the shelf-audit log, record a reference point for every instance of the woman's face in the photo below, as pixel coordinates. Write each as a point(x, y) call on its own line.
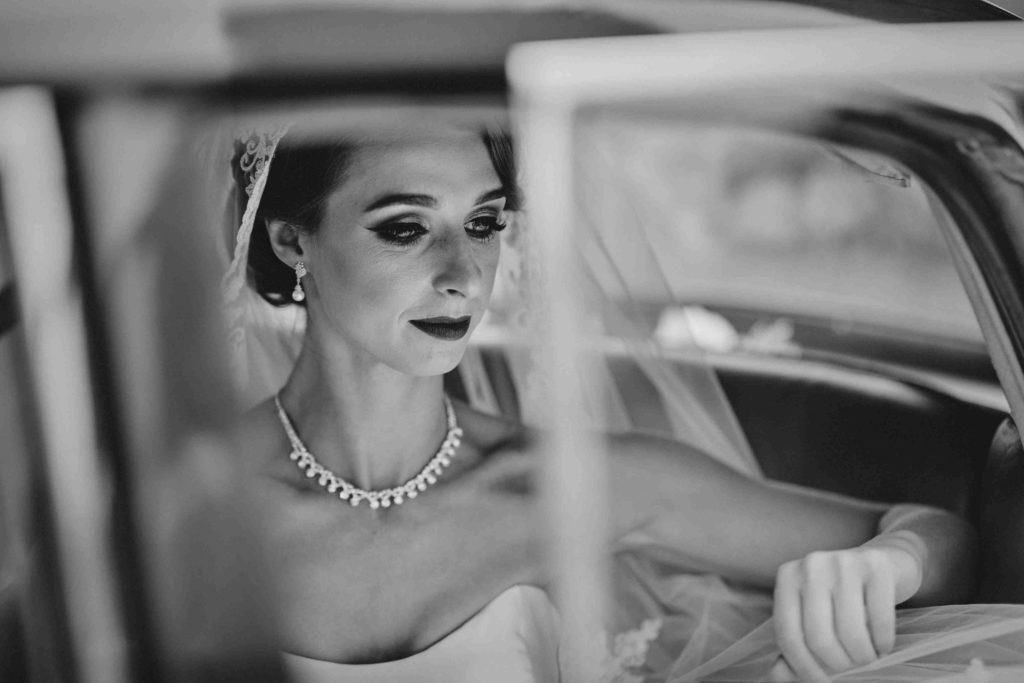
point(404, 261)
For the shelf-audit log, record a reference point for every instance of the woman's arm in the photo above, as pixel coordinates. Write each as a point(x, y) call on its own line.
point(839, 565)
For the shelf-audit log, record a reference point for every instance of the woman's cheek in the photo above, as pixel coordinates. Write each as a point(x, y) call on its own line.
point(490, 268)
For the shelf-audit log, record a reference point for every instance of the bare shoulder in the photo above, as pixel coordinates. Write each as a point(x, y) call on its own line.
point(631, 449)
point(492, 433)
point(499, 442)
point(504, 451)
point(643, 463)
point(648, 466)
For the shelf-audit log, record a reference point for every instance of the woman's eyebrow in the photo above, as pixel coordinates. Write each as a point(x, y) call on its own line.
point(491, 195)
point(426, 200)
point(404, 199)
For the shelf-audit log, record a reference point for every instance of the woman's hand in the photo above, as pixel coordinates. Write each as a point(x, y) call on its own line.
point(835, 610)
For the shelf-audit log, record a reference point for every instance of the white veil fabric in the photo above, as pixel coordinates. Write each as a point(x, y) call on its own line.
point(947, 644)
point(265, 340)
point(672, 625)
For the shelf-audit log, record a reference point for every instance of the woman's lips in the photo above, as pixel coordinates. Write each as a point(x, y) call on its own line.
point(444, 328)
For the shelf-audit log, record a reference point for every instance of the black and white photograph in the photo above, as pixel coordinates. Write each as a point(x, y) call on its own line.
point(497, 341)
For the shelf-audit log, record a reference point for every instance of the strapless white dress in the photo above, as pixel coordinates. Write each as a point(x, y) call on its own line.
point(514, 639)
point(664, 620)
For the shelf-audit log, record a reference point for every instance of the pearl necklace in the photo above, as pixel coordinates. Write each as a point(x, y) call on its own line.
point(334, 484)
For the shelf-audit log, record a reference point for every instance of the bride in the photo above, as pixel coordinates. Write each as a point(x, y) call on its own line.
point(403, 528)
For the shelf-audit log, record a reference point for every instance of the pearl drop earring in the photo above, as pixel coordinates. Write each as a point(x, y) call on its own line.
point(298, 294)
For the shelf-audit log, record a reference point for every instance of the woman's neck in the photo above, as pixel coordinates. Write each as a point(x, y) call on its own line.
point(366, 422)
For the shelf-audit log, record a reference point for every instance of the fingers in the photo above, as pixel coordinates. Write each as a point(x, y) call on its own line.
point(820, 630)
point(789, 629)
point(781, 672)
point(852, 621)
point(880, 598)
point(833, 611)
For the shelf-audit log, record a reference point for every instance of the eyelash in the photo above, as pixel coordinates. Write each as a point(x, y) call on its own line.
point(405, 232)
point(493, 225)
point(400, 233)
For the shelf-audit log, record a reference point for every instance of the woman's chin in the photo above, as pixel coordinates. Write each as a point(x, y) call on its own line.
point(436, 361)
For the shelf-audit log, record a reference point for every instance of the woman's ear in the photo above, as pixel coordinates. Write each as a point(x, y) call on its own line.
point(284, 240)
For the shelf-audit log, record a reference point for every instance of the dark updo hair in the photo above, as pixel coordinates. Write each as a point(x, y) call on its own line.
point(302, 176)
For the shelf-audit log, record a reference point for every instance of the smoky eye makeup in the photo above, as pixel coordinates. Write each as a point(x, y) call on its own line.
point(484, 225)
point(400, 231)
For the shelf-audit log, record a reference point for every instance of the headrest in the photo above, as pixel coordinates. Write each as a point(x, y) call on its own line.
point(1002, 519)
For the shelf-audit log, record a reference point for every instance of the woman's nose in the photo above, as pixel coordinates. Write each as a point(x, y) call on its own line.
point(458, 273)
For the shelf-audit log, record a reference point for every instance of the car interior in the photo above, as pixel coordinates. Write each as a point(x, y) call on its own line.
point(869, 425)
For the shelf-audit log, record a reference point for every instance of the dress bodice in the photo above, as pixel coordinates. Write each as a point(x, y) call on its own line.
point(511, 640)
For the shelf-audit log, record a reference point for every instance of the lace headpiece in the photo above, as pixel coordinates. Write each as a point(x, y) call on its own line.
point(254, 165)
point(256, 151)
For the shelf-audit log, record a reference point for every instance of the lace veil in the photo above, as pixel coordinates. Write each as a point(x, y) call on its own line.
point(265, 340)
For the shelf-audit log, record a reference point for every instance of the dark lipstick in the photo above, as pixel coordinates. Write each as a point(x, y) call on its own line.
point(444, 328)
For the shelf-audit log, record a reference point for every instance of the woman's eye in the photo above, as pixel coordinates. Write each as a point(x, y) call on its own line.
point(401, 232)
point(484, 227)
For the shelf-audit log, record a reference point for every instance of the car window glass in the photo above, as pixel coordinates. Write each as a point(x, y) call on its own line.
point(769, 242)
